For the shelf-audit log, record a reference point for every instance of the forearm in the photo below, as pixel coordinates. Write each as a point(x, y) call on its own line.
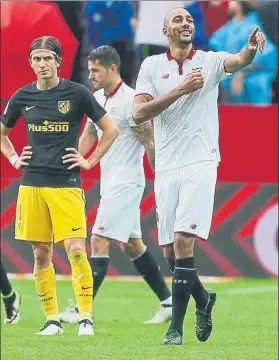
point(143, 112)
point(239, 61)
point(150, 151)
point(246, 56)
point(86, 143)
point(103, 146)
point(7, 148)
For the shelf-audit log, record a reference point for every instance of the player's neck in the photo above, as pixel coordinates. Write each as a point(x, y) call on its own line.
point(112, 85)
point(239, 17)
point(180, 53)
point(48, 83)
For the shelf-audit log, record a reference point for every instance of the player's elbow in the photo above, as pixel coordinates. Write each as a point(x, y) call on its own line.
point(136, 118)
point(149, 145)
point(137, 115)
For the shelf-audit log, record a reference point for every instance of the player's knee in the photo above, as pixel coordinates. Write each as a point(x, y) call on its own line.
point(125, 247)
point(134, 248)
point(184, 244)
point(169, 255)
point(99, 246)
point(168, 251)
point(42, 254)
point(73, 245)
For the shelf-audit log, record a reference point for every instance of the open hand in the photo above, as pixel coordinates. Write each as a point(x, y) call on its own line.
point(77, 159)
point(256, 40)
point(25, 155)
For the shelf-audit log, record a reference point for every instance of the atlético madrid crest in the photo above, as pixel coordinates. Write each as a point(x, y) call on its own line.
point(64, 106)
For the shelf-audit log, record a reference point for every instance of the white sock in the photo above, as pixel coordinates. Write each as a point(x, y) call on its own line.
point(168, 301)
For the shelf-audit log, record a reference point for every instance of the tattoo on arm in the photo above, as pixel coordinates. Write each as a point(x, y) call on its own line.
point(144, 133)
point(90, 128)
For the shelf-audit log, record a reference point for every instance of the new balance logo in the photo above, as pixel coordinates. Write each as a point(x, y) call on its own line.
point(193, 226)
point(166, 76)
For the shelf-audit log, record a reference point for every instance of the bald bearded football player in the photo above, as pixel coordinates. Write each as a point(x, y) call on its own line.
point(179, 90)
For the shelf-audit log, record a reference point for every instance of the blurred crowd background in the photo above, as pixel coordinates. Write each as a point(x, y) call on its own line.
point(134, 28)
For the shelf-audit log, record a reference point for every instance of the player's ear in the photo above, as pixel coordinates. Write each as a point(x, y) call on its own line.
point(30, 62)
point(165, 31)
point(113, 68)
point(58, 65)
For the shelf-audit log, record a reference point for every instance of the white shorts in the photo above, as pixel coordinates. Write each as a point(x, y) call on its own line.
point(118, 215)
point(185, 199)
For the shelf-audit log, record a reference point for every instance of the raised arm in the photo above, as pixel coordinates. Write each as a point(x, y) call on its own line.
point(246, 56)
point(88, 138)
point(146, 108)
point(145, 135)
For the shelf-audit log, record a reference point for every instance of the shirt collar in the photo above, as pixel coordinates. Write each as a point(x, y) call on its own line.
point(113, 92)
point(189, 57)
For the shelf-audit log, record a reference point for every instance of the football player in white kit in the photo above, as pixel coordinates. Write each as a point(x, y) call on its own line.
point(179, 90)
point(122, 182)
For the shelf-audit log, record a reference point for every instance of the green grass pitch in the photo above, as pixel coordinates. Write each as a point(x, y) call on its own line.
point(245, 326)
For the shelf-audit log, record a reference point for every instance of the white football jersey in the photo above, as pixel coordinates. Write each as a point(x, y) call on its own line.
point(123, 163)
point(188, 130)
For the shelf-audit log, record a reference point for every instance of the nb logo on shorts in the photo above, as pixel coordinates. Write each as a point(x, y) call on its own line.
point(193, 226)
point(166, 76)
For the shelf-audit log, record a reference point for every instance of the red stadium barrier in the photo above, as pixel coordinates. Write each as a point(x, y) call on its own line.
point(21, 23)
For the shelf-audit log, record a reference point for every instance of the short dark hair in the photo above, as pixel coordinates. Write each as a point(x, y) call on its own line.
point(47, 43)
point(107, 56)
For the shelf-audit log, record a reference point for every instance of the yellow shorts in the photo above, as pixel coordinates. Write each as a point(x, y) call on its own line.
point(50, 214)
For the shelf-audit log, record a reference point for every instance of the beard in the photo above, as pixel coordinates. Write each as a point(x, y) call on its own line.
point(96, 86)
point(185, 41)
point(176, 37)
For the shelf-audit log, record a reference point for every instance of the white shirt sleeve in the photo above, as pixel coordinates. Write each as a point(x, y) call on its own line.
point(144, 84)
point(128, 111)
point(219, 60)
